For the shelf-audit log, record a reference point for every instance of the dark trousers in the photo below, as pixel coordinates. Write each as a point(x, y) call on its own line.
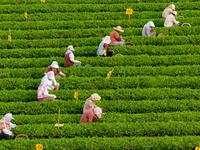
point(4, 136)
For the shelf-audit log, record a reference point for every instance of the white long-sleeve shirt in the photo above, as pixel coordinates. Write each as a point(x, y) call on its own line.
point(50, 83)
point(170, 20)
point(71, 57)
point(167, 11)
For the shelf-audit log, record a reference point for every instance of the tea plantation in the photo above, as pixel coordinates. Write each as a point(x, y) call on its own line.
point(151, 99)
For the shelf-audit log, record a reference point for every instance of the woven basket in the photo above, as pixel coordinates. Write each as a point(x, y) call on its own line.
point(22, 136)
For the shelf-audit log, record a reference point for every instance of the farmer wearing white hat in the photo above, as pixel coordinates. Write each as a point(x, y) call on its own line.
point(168, 10)
point(55, 68)
point(116, 40)
point(69, 58)
point(90, 114)
point(49, 78)
point(103, 49)
point(90, 102)
point(6, 126)
point(42, 91)
point(148, 29)
point(171, 20)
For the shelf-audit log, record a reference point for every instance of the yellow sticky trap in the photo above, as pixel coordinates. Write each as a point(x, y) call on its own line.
point(25, 15)
point(39, 147)
point(104, 52)
point(10, 38)
point(76, 96)
point(197, 148)
point(43, 1)
point(109, 74)
point(129, 11)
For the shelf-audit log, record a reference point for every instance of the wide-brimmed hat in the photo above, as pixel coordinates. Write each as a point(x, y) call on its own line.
point(70, 48)
point(54, 64)
point(175, 13)
point(98, 112)
point(118, 28)
point(106, 39)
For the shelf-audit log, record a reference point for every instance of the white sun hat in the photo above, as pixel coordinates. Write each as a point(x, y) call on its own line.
point(106, 39)
point(54, 64)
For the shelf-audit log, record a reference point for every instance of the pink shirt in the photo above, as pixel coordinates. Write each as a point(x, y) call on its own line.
point(88, 115)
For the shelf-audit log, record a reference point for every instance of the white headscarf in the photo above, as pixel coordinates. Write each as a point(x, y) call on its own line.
point(8, 117)
point(95, 97)
point(69, 49)
point(98, 112)
point(150, 24)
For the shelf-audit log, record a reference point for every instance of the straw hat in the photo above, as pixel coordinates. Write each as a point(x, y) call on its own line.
point(54, 64)
point(106, 39)
point(118, 28)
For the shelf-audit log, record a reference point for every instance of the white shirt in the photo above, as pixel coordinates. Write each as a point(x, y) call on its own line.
point(170, 20)
point(71, 57)
point(166, 12)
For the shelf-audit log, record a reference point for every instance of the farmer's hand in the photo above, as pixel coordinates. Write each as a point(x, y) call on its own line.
point(12, 134)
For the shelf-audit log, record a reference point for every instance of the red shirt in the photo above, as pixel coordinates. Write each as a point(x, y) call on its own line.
point(88, 116)
point(114, 36)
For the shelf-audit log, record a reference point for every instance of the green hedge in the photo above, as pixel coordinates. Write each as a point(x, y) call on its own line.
point(119, 71)
point(85, 33)
point(74, 24)
point(91, 1)
point(62, 42)
point(171, 128)
point(106, 94)
point(109, 117)
point(88, 51)
point(57, 16)
point(120, 106)
point(140, 60)
point(87, 83)
point(64, 8)
point(136, 143)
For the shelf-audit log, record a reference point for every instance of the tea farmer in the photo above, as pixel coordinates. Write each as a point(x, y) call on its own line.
point(90, 114)
point(116, 40)
point(55, 68)
point(103, 49)
point(69, 58)
point(43, 93)
point(148, 29)
point(90, 102)
point(168, 10)
point(6, 127)
point(171, 20)
point(50, 79)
